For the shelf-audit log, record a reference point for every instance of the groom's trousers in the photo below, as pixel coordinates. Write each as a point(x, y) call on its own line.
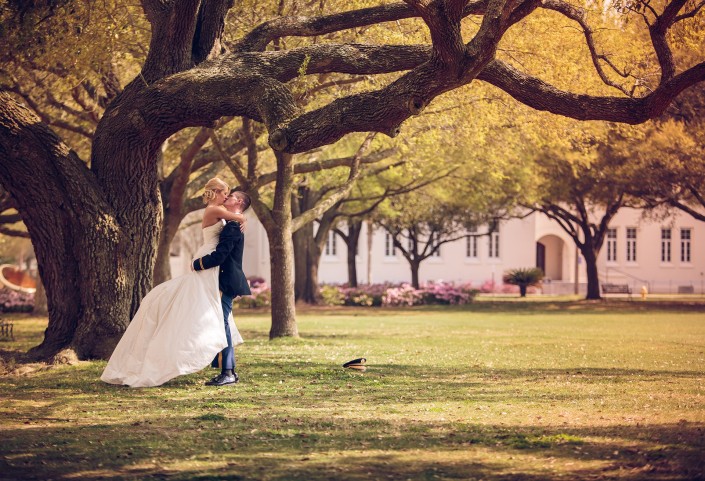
point(226, 357)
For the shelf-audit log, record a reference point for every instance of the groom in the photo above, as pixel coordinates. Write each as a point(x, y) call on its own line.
point(233, 283)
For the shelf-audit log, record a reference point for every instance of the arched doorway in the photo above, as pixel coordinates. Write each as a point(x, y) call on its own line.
point(549, 256)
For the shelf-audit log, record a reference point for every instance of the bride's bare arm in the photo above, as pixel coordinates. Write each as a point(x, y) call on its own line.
point(217, 212)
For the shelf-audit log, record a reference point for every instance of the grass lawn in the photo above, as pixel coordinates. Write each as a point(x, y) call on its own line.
point(495, 391)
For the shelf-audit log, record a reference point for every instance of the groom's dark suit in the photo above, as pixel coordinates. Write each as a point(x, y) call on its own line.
point(232, 280)
point(228, 255)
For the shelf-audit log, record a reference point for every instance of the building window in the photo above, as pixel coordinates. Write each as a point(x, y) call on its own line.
point(494, 245)
point(611, 245)
point(471, 246)
point(665, 245)
point(331, 245)
point(389, 249)
point(631, 244)
point(685, 245)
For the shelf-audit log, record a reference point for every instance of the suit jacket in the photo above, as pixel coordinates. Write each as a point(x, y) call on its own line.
point(228, 255)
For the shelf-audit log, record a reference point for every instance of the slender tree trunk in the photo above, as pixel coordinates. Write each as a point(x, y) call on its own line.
point(522, 290)
point(415, 265)
point(281, 249)
point(301, 245)
point(593, 277)
point(312, 293)
point(40, 300)
point(302, 241)
point(352, 265)
point(352, 241)
point(162, 266)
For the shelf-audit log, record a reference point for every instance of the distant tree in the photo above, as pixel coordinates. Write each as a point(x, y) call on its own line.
point(581, 189)
point(668, 157)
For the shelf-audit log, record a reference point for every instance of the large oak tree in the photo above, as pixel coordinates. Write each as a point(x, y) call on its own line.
point(95, 226)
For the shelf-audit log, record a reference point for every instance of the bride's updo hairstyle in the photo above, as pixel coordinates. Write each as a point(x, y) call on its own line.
point(212, 188)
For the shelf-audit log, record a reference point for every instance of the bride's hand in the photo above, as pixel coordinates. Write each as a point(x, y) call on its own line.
point(243, 224)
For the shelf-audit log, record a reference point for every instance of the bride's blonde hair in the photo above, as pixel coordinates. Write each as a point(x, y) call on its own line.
point(212, 188)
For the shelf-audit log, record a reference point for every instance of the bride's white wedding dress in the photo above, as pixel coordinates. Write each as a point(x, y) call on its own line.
point(178, 328)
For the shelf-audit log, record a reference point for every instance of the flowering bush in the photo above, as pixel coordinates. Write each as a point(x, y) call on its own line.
point(366, 295)
point(400, 294)
point(448, 293)
point(404, 295)
point(488, 286)
point(332, 296)
point(261, 294)
point(375, 295)
point(15, 301)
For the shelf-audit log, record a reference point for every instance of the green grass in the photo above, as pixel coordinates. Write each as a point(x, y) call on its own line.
point(500, 390)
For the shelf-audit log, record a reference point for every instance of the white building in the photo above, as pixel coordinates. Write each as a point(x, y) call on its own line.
point(667, 255)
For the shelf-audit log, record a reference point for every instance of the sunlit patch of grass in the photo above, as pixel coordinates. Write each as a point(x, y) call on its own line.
point(492, 391)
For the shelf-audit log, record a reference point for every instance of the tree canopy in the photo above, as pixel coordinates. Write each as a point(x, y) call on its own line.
point(206, 60)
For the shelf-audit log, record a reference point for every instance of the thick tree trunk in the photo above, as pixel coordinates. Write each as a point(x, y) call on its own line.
point(124, 160)
point(281, 249)
point(73, 231)
point(593, 277)
point(522, 290)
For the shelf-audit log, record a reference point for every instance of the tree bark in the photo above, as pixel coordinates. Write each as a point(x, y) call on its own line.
point(73, 231)
point(281, 250)
point(162, 265)
point(351, 240)
point(301, 259)
point(312, 294)
point(40, 300)
point(415, 266)
point(522, 290)
point(593, 278)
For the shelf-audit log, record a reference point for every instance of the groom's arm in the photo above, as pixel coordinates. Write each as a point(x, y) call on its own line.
point(229, 236)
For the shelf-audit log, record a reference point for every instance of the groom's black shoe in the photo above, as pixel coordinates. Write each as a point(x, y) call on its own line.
point(223, 379)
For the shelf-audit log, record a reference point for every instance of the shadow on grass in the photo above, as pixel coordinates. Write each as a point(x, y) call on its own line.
point(315, 448)
point(409, 383)
point(255, 433)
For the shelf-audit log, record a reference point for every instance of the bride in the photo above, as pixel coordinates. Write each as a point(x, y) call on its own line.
point(178, 328)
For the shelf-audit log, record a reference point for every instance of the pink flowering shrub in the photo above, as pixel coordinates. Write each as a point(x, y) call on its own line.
point(448, 293)
point(509, 289)
point(261, 294)
point(404, 295)
point(488, 286)
point(491, 287)
point(371, 295)
point(15, 301)
point(366, 295)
